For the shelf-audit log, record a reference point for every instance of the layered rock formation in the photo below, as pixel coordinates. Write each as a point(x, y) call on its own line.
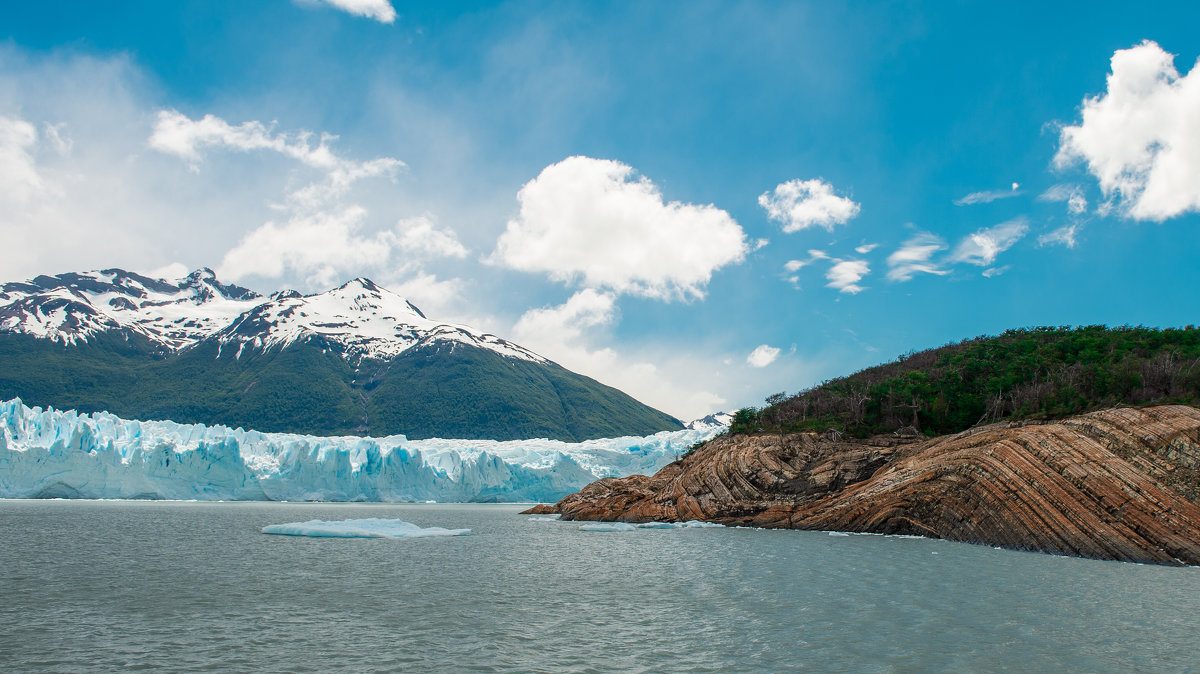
point(1119, 484)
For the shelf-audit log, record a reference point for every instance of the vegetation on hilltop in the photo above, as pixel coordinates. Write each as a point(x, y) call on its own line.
point(456, 391)
point(1037, 373)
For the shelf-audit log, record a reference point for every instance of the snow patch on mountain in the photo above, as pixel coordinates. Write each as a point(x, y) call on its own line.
point(51, 453)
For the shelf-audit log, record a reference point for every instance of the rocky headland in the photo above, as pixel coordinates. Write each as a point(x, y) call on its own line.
point(1120, 484)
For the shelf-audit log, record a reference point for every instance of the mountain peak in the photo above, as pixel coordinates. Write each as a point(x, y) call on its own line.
point(360, 282)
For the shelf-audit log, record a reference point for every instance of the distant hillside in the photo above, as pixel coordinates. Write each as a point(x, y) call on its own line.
point(357, 359)
point(1038, 373)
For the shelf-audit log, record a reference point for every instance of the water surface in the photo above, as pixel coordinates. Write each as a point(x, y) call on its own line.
point(197, 586)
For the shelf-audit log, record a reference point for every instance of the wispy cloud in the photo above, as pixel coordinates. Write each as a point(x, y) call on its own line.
point(982, 247)
point(915, 256)
point(866, 248)
point(1063, 236)
point(800, 204)
point(1140, 138)
point(1072, 194)
point(379, 10)
point(988, 196)
point(177, 134)
point(813, 255)
point(844, 275)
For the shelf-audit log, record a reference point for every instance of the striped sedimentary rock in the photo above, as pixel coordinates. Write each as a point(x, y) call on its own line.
point(1118, 484)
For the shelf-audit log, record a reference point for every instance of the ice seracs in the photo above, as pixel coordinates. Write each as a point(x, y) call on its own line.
point(47, 453)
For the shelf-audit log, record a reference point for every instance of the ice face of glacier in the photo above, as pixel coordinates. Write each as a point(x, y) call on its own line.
point(62, 454)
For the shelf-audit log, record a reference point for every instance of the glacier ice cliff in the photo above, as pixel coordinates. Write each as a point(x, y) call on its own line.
point(63, 454)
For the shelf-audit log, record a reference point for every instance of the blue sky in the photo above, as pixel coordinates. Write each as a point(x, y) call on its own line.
point(700, 203)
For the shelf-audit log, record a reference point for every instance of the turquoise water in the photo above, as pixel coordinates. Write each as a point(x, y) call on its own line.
point(88, 585)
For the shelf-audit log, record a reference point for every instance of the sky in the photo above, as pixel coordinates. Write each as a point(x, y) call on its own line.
point(700, 203)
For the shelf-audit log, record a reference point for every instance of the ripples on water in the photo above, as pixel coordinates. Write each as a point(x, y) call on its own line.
point(196, 586)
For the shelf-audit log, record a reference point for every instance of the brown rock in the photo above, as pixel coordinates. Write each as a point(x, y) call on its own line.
point(541, 509)
point(1118, 484)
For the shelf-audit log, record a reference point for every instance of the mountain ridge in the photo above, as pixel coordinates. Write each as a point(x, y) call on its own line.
point(355, 359)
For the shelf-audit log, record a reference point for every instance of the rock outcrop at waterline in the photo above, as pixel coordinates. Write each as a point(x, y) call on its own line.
point(1119, 484)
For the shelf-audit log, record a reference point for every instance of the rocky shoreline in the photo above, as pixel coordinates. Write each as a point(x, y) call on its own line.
point(1120, 484)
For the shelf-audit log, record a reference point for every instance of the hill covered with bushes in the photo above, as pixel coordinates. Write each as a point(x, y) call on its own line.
point(1037, 373)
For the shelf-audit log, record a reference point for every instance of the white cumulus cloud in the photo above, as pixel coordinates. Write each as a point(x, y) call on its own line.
point(327, 245)
point(981, 247)
point(915, 256)
point(1141, 138)
point(420, 236)
point(19, 177)
point(845, 275)
point(320, 246)
point(800, 204)
point(675, 382)
point(379, 10)
point(596, 223)
point(586, 309)
point(762, 356)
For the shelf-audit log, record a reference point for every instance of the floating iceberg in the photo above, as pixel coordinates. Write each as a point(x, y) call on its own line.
point(371, 527)
point(63, 454)
point(609, 526)
point(625, 526)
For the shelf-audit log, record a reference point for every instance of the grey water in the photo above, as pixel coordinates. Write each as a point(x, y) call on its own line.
point(102, 586)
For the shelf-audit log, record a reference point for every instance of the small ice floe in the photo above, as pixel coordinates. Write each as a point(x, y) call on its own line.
point(625, 526)
point(371, 527)
point(697, 524)
point(543, 518)
point(609, 526)
point(837, 533)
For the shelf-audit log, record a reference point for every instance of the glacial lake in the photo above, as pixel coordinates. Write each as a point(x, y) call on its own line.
point(119, 585)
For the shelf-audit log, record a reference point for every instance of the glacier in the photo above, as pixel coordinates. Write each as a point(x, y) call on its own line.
point(49, 453)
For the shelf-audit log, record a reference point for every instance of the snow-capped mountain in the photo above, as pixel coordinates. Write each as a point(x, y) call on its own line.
point(362, 318)
point(72, 307)
point(367, 321)
point(357, 359)
point(712, 421)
